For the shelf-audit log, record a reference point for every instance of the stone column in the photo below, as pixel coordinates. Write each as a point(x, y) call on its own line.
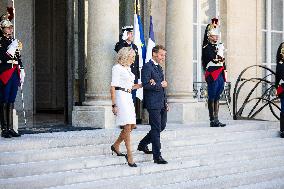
point(25, 33)
point(242, 28)
point(126, 13)
point(179, 69)
point(3, 5)
point(103, 31)
point(158, 12)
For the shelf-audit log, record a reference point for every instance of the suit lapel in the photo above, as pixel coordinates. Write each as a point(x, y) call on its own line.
point(158, 70)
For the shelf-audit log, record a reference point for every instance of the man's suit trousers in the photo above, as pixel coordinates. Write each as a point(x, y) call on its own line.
point(157, 121)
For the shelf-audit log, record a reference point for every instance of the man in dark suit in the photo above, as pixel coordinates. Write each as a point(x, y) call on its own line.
point(155, 102)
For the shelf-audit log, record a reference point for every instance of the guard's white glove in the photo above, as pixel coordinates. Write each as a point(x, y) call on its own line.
point(22, 75)
point(124, 35)
point(13, 47)
point(221, 50)
point(15, 43)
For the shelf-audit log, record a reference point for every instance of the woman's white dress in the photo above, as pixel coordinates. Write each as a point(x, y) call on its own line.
point(123, 77)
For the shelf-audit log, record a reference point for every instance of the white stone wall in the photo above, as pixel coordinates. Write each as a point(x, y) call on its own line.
point(241, 32)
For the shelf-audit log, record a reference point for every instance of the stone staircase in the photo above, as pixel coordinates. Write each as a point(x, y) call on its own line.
point(243, 155)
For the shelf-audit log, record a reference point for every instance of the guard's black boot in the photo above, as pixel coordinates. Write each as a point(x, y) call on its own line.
point(282, 125)
point(216, 112)
point(1, 116)
point(10, 120)
point(211, 114)
point(4, 126)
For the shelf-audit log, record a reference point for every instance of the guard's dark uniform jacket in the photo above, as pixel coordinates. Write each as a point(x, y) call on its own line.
point(8, 64)
point(135, 66)
point(279, 79)
point(209, 56)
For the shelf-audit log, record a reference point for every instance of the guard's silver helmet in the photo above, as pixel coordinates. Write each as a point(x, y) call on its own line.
point(214, 28)
point(5, 24)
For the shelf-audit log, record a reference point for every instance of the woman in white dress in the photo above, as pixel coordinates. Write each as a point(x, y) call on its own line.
point(122, 104)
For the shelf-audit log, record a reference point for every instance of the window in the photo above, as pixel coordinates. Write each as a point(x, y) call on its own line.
point(204, 10)
point(272, 32)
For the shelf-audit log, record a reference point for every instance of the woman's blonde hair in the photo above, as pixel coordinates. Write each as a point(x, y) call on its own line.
point(123, 55)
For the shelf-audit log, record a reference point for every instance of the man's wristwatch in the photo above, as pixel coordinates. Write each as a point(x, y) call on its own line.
point(114, 105)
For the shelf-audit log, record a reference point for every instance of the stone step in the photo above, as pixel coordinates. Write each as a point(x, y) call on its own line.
point(276, 183)
point(222, 137)
point(93, 150)
point(196, 153)
point(247, 180)
point(82, 175)
point(156, 177)
point(65, 139)
point(208, 158)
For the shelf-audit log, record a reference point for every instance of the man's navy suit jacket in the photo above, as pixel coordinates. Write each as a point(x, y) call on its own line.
point(154, 96)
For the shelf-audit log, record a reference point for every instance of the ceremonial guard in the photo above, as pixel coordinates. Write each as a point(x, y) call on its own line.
point(126, 40)
point(279, 83)
point(11, 76)
point(213, 62)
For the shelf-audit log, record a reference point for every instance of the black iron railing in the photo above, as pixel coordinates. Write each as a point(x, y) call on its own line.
point(200, 92)
point(251, 86)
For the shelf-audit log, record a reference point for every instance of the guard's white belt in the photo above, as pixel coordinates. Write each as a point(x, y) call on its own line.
point(213, 64)
point(12, 62)
point(281, 82)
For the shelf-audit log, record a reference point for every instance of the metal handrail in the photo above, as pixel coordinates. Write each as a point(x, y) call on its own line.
point(200, 92)
point(267, 97)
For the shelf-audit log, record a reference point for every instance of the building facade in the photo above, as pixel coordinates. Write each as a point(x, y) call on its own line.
point(69, 50)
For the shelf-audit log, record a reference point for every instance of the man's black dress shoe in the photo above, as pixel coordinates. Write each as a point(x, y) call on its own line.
point(145, 150)
point(160, 160)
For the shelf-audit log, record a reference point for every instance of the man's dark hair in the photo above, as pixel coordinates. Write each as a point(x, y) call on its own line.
point(157, 48)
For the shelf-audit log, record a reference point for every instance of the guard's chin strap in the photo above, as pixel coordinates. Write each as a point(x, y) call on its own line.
point(7, 35)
